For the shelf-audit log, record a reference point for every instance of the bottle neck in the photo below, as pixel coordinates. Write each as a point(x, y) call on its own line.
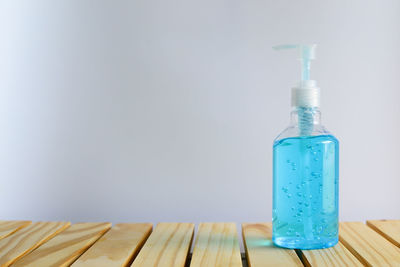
point(305, 118)
point(313, 113)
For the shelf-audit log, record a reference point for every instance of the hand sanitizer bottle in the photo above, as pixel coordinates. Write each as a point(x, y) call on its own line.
point(305, 170)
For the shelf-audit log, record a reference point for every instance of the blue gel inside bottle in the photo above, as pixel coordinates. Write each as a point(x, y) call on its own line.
point(305, 197)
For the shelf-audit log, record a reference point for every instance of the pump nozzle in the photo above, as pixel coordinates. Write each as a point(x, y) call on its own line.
point(306, 54)
point(306, 93)
point(305, 96)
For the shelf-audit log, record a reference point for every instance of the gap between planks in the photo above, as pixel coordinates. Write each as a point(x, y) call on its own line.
point(118, 247)
point(9, 227)
point(168, 245)
point(371, 248)
point(27, 239)
point(66, 247)
point(389, 229)
point(337, 255)
point(260, 250)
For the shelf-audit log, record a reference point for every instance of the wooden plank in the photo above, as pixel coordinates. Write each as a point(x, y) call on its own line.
point(390, 229)
point(117, 247)
point(9, 227)
point(368, 246)
point(216, 245)
point(66, 247)
point(338, 255)
point(168, 245)
point(27, 239)
point(260, 250)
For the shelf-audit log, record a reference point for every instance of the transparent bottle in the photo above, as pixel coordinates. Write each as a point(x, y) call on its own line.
point(305, 183)
point(305, 170)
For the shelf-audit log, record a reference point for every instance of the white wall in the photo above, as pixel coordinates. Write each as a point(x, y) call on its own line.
point(166, 111)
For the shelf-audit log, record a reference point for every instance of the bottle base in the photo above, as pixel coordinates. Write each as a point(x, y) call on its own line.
point(299, 243)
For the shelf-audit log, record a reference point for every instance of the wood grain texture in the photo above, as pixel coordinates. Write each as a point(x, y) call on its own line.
point(368, 246)
point(260, 250)
point(338, 255)
point(66, 247)
point(27, 239)
point(216, 245)
point(168, 245)
point(9, 227)
point(390, 229)
point(117, 247)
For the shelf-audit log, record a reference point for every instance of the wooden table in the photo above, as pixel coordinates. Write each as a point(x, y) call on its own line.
point(41, 244)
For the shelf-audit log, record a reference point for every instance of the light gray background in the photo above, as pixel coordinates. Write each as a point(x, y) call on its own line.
point(166, 111)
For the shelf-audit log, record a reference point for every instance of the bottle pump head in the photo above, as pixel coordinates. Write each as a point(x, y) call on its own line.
point(306, 93)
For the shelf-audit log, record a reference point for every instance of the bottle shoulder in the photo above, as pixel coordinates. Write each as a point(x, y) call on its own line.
point(294, 131)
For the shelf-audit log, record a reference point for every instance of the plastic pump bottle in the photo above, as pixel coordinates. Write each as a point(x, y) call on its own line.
point(305, 170)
